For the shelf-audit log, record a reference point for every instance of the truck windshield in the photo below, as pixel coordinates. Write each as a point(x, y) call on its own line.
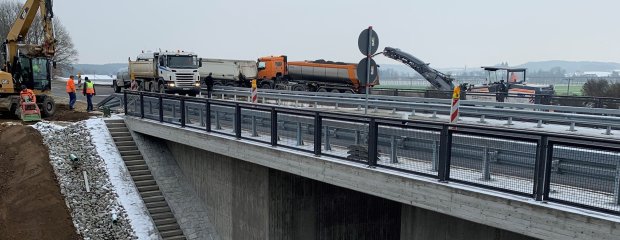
point(182, 61)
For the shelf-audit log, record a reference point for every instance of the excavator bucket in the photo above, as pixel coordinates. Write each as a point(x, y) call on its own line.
point(30, 112)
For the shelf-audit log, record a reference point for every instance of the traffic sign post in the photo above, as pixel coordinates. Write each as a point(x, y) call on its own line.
point(368, 43)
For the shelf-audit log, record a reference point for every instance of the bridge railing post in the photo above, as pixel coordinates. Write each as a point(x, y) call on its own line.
point(318, 129)
point(299, 135)
point(435, 156)
point(486, 164)
point(542, 170)
point(160, 99)
point(182, 108)
point(393, 150)
point(141, 105)
point(373, 140)
point(445, 153)
point(274, 127)
point(125, 101)
point(208, 115)
point(237, 121)
point(328, 146)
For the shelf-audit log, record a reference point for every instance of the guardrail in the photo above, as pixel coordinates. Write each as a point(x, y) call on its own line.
point(569, 116)
point(575, 101)
point(577, 171)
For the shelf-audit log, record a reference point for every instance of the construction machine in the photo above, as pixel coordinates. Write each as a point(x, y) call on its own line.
point(28, 64)
point(513, 85)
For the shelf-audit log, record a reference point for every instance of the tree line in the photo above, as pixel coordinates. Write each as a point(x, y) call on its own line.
point(66, 54)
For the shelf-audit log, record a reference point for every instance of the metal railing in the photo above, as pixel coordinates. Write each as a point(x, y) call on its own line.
point(577, 171)
point(606, 119)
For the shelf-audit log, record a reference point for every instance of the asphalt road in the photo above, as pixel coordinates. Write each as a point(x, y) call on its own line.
point(58, 90)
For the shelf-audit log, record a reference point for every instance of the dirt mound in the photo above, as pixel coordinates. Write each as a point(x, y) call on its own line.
point(31, 206)
point(64, 114)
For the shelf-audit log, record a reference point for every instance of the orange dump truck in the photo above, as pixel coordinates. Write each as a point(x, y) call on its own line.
point(313, 76)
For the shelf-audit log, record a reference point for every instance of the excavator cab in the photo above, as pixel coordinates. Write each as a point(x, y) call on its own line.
point(34, 72)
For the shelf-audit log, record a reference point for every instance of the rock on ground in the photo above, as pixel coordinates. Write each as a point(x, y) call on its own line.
point(91, 211)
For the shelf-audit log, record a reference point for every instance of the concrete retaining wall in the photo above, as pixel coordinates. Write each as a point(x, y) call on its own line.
point(497, 210)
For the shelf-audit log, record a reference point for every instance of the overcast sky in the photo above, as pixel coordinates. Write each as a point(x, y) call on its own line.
point(445, 33)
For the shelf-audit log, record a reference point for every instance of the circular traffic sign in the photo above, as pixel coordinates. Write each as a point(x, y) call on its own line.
point(362, 71)
point(363, 41)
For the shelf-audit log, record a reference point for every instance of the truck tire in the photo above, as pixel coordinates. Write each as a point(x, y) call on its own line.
point(117, 89)
point(48, 107)
point(161, 88)
point(299, 88)
point(152, 87)
point(334, 91)
point(322, 90)
point(266, 86)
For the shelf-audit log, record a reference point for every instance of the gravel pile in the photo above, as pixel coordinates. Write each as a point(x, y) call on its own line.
point(96, 214)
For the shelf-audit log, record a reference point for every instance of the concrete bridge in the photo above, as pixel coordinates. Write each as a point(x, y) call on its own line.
point(255, 189)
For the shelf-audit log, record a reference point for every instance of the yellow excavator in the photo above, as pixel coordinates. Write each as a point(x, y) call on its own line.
point(27, 64)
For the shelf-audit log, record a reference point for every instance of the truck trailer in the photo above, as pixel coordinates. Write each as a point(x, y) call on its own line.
point(227, 72)
point(314, 76)
point(166, 72)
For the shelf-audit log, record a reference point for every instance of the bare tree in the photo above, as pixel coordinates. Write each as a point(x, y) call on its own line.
point(65, 56)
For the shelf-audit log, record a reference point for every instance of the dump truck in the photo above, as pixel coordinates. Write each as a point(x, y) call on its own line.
point(227, 72)
point(166, 72)
point(314, 76)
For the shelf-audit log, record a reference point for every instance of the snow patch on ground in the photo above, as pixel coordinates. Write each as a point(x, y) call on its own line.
point(112, 189)
point(121, 180)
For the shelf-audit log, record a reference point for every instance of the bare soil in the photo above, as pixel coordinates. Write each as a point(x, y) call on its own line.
point(31, 206)
point(64, 114)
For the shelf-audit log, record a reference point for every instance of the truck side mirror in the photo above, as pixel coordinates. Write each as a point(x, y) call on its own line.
point(200, 62)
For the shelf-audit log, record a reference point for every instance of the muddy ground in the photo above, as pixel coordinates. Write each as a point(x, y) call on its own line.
point(31, 205)
point(62, 114)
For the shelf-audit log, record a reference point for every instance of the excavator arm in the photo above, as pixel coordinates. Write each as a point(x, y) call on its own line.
point(437, 79)
point(22, 25)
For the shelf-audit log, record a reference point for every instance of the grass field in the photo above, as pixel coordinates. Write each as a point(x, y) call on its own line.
point(563, 89)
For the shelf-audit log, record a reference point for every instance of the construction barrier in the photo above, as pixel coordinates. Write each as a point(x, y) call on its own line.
point(254, 92)
point(454, 110)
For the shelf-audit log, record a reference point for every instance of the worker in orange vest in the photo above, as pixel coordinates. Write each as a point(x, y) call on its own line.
point(89, 92)
point(71, 91)
point(27, 95)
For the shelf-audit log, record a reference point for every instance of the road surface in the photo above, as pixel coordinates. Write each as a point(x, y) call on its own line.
point(58, 91)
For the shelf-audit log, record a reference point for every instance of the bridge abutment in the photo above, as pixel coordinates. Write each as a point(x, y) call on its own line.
point(249, 201)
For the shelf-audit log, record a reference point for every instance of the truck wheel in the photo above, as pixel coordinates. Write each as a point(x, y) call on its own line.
point(322, 90)
point(299, 88)
point(116, 88)
point(152, 87)
point(265, 86)
point(48, 107)
point(161, 88)
point(335, 91)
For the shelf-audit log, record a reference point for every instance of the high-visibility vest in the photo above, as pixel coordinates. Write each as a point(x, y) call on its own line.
point(90, 88)
point(70, 86)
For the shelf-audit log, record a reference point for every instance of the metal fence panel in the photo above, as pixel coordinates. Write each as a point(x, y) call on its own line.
point(585, 176)
point(495, 162)
point(409, 149)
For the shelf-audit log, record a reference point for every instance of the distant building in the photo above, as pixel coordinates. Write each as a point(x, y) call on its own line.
point(596, 74)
